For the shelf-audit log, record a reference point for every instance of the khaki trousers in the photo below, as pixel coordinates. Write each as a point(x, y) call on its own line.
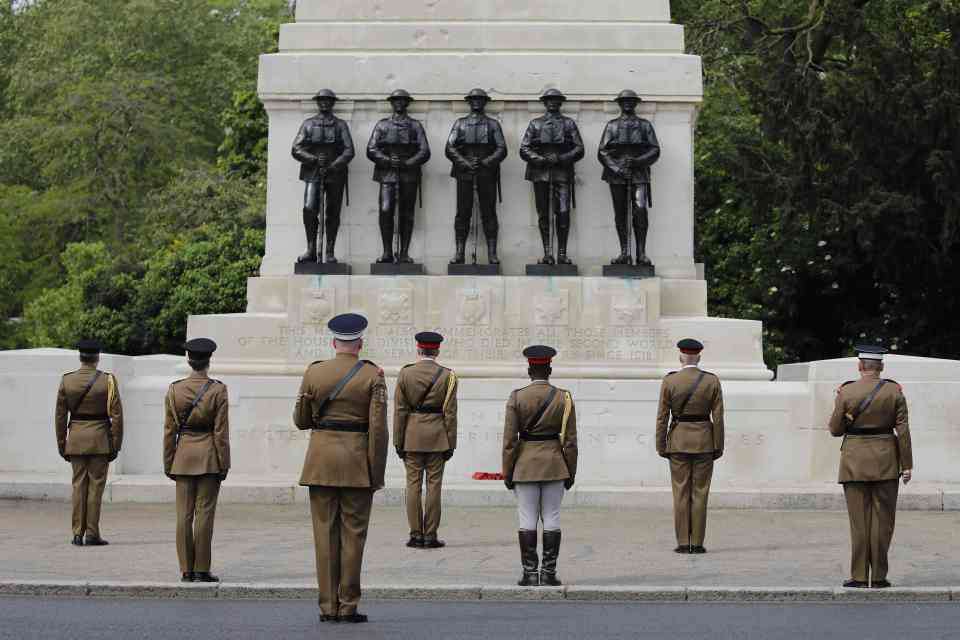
point(872, 509)
point(424, 515)
point(89, 480)
point(196, 508)
point(690, 474)
point(341, 516)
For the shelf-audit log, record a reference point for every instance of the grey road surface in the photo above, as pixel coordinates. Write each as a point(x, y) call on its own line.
point(28, 618)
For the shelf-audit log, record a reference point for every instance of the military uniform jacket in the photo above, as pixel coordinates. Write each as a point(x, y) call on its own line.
point(329, 136)
point(204, 446)
point(628, 137)
point(546, 460)
point(344, 458)
point(865, 458)
point(95, 427)
point(429, 424)
point(479, 137)
point(401, 136)
point(690, 436)
point(551, 134)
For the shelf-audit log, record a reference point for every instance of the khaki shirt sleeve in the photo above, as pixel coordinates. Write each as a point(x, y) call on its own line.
point(902, 425)
point(450, 409)
point(511, 423)
point(401, 413)
point(570, 451)
point(169, 431)
point(663, 417)
point(837, 424)
point(378, 437)
point(60, 419)
point(303, 410)
point(221, 428)
point(716, 412)
point(115, 411)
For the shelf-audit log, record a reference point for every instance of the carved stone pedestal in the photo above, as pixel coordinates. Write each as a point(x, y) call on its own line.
point(628, 271)
point(396, 269)
point(322, 269)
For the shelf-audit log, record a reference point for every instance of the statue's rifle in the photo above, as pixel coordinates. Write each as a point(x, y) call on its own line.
point(474, 215)
point(321, 213)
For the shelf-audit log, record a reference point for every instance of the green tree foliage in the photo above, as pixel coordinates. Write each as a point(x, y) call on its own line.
point(827, 201)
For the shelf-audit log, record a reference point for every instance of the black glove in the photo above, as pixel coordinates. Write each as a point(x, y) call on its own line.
point(568, 484)
point(171, 476)
point(112, 456)
point(447, 454)
point(717, 454)
point(663, 454)
point(223, 476)
point(509, 484)
point(63, 454)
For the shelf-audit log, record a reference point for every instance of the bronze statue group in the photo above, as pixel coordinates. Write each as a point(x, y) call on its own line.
point(476, 147)
point(343, 403)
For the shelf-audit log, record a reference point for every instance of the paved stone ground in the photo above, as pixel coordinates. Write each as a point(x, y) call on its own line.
point(602, 547)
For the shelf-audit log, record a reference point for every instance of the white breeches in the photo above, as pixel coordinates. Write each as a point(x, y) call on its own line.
point(539, 501)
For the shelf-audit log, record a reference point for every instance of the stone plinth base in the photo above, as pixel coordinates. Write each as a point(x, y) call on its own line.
point(473, 270)
point(555, 270)
point(628, 271)
point(322, 268)
point(396, 269)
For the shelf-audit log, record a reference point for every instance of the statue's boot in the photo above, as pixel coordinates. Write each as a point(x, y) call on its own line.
point(492, 251)
point(461, 250)
point(547, 250)
point(406, 234)
point(386, 237)
point(331, 243)
point(640, 234)
point(310, 224)
point(624, 257)
point(562, 235)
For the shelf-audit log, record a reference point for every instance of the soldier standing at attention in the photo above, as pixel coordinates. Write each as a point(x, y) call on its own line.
point(344, 403)
point(539, 462)
point(871, 415)
point(89, 428)
point(690, 435)
point(425, 435)
point(196, 455)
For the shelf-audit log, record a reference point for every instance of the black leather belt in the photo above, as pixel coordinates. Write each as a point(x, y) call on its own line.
point(428, 410)
point(865, 431)
point(195, 429)
point(539, 437)
point(87, 416)
point(336, 425)
point(692, 418)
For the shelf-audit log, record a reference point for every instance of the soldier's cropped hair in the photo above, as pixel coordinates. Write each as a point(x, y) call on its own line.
point(429, 353)
point(198, 365)
point(539, 371)
point(89, 358)
point(872, 365)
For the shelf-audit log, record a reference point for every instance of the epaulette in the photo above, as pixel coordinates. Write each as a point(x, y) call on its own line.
point(669, 374)
point(180, 380)
point(710, 373)
point(376, 366)
point(314, 362)
point(848, 382)
point(899, 386)
point(404, 366)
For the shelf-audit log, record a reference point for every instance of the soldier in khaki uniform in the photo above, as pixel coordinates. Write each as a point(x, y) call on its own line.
point(539, 462)
point(344, 402)
point(690, 435)
point(425, 435)
point(871, 415)
point(89, 428)
point(196, 455)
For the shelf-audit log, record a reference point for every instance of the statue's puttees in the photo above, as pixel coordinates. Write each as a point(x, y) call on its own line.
point(398, 147)
point(324, 148)
point(627, 149)
point(476, 148)
point(551, 146)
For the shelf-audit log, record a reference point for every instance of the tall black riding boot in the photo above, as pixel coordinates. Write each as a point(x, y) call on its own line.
point(547, 249)
point(528, 558)
point(310, 224)
point(492, 251)
point(551, 551)
point(562, 234)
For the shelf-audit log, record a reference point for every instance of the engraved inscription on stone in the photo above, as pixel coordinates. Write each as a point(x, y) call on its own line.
point(552, 309)
point(318, 306)
point(396, 306)
point(628, 310)
point(474, 307)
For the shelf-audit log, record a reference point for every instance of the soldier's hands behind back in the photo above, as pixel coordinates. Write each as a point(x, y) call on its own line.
point(509, 484)
point(568, 484)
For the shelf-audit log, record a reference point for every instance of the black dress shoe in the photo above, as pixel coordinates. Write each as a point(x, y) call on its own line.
point(329, 618)
point(880, 584)
point(95, 541)
point(187, 576)
point(204, 576)
point(549, 580)
point(854, 584)
point(697, 548)
point(433, 543)
point(77, 541)
point(354, 618)
point(529, 580)
point(415, 542)
point(683, 548)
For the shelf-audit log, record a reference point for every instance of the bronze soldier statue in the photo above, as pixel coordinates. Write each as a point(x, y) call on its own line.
point(324, 148)
point(196, 455)
point(476, 148)
point(871, 416)
point(89, 428)
point(398, 148)
point(628, 148)
point(551, 146)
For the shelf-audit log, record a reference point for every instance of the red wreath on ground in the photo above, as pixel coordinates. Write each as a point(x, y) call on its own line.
point(483, 475)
